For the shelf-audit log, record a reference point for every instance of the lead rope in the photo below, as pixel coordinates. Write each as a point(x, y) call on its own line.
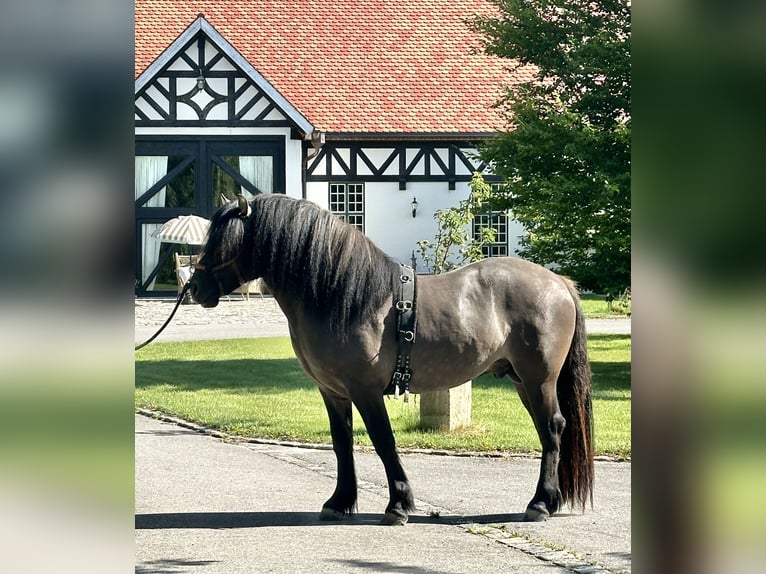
point(173, 312)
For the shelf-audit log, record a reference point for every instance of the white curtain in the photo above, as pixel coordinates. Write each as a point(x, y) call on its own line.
point(149, 170)
point(258, 171)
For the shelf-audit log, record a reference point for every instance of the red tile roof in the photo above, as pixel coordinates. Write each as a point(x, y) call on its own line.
point(353, 65)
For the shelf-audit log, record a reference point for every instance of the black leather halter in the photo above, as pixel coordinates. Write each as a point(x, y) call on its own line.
point(220, 267)
point(406, 321)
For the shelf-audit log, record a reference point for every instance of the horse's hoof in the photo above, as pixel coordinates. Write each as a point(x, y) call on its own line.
point(537, 513)
point(392, 519)
point(331, 515)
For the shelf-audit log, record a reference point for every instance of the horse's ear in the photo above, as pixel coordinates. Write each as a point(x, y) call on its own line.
point(244, 207)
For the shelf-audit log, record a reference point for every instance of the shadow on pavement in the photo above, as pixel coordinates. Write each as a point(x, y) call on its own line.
point(221, 520)
point(170, 566)
point(377, 566)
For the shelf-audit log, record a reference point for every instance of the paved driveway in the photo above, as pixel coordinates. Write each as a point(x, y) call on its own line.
point(208, 506)
point(254, 318)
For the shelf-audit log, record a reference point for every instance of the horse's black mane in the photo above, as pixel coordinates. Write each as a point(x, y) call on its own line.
point(307, 253)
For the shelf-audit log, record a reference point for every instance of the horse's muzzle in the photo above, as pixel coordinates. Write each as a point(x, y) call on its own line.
point(206, 302)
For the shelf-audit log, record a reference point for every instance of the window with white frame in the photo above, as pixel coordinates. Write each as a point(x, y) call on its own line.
point(347, 202)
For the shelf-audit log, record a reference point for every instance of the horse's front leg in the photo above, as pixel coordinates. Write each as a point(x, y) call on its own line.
point(373, 411)
point(343, 500)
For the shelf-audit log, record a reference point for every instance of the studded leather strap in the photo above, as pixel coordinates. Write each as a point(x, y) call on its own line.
point(406, 320)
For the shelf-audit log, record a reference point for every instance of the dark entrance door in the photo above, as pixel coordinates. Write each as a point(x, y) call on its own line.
point(180, 176)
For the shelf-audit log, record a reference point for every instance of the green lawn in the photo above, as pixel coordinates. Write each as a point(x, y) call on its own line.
point(255, 387)
point(596, 307)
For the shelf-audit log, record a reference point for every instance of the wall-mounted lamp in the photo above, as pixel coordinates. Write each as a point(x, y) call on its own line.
point(414, 206)
point(200, 81)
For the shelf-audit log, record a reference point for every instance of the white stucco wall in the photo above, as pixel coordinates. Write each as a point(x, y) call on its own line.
point(294, 167)
point(390, 223)
point(388, 215)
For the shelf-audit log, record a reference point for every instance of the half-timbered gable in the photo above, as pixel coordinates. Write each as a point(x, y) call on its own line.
point(201, 80)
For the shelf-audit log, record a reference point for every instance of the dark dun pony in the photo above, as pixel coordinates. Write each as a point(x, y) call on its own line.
point(501, 315)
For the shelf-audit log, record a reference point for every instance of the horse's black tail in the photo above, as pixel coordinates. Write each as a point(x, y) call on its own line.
point(574, 395)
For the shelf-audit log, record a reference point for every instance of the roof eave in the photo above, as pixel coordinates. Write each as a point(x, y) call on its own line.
point(409, 136)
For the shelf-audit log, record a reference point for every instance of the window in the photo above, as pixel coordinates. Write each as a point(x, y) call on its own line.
point(498, 221)
point(232, 174)
point(347, 202)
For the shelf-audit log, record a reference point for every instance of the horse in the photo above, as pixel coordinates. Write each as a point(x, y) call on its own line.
point(338, 291)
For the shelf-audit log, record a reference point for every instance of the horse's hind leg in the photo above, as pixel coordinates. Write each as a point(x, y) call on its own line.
point(343, 500)
point(373, 411)
point(542, 404)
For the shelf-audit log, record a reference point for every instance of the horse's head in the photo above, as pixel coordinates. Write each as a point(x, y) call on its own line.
point(226, 260)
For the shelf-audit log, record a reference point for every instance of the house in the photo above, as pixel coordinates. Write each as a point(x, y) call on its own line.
point(370, 108)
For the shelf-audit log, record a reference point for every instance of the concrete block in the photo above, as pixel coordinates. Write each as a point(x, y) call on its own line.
point(446, 410)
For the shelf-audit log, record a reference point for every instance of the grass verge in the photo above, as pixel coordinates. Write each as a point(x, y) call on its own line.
point(596, 307)
point(256, 388)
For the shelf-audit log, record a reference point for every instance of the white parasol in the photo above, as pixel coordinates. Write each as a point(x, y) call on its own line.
point(189, 229)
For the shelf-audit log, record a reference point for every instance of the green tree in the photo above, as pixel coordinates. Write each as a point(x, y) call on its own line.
point(565, 158)
point(454, 245)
